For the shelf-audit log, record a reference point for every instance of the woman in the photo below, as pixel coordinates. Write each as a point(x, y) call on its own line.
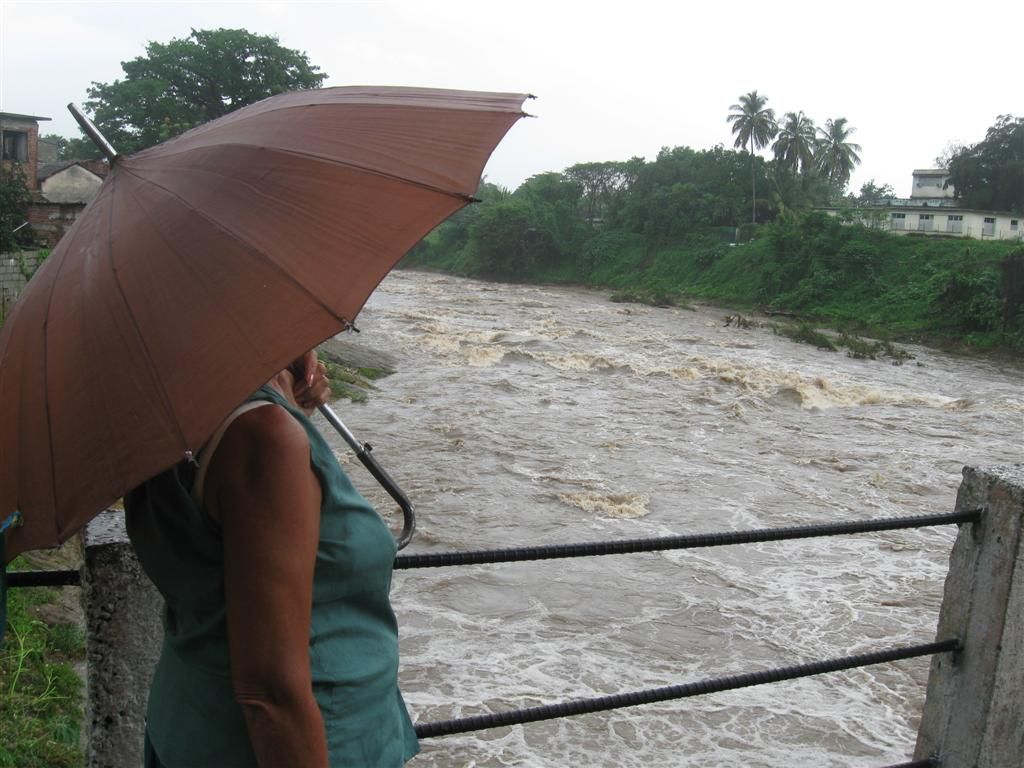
point(280, 646)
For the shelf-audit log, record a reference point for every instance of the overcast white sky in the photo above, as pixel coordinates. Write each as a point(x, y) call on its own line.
point(613, 79)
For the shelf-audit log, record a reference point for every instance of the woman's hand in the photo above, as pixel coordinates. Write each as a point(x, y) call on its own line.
point(304, 383)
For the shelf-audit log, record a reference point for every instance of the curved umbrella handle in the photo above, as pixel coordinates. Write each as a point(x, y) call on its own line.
point(363, 453)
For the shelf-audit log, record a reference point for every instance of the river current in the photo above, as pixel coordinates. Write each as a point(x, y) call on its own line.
point(537, 415)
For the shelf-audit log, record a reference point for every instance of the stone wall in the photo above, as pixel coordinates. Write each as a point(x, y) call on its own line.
point(12, 281)
point(50, 221)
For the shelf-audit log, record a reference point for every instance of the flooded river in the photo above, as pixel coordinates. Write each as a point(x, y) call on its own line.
point(536, 415)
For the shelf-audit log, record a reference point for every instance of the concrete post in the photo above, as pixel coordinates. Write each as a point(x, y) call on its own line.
point(974, 711)
point(123, 636)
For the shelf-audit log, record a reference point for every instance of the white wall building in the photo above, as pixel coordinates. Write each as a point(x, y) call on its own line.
point(932, 209)
point(931, 184)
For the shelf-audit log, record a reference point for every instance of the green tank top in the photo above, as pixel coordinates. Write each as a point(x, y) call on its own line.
point(193, 719)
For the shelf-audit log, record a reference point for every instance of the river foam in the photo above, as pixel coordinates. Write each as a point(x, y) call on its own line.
point(524, 416)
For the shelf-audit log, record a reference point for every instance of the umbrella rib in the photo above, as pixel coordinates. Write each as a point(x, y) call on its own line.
point(248, 244)
point(464, 197)
point(46, 394)
point(147, 354)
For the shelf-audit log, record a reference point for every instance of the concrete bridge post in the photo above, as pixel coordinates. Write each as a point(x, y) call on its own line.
point(123, 636)
point(974, 711)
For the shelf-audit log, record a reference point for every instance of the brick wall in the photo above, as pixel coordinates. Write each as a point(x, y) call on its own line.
point(49, 221)
point(30, 127)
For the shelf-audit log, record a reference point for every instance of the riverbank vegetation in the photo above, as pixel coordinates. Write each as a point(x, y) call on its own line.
point(40, 689)
point(665, 232)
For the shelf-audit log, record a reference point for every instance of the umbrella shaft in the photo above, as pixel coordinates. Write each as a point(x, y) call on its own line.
point(329, 414)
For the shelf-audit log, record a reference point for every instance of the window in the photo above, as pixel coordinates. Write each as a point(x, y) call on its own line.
point(1014, 226)
point(989, 228)
point(954, 223)
point(924, 222)
point(15, 146)
point(899, 220)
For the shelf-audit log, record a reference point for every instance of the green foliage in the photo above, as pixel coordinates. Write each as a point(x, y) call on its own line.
point(990, 174)
point(611, 258)
point(968, 300)
point(660, 232)
point(185, 82)
point(861, 349)
point(40, 693)
point(60, 144)
point(506, 241)
point(872, 194)
point(352, 383)
point(14, 200)
point(837, 156)
point(795, 145)
point(753, 124)
point(805, 333)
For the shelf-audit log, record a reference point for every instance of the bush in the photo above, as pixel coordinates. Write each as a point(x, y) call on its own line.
point(14, 201)
point(747, 231)
point(805, 333)
point(967, 300)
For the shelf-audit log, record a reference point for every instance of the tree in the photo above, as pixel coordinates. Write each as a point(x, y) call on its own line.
point(14, 201)
point(506, 241)
point(185, 82)
point(600, 184)
point(837, 156)
point(872, 194)
point(754, 125)
point(59, 143)
point(990, 174)
point(794, 147)
point(945, 157)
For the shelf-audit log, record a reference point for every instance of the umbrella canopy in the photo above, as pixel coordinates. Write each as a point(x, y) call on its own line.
point(207, 264)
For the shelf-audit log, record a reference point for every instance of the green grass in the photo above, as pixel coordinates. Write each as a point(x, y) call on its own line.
point(40, 692)
point(352, 383)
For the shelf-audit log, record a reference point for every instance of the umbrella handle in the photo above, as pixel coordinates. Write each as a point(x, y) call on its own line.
point(363, 453)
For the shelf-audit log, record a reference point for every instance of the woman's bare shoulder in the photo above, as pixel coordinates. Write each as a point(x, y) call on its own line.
point(263, 448)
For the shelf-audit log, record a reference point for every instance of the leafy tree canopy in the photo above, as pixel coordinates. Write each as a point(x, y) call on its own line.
point(990, 174)
point(61, 143)
point(795, 143)
point(873, 194)
point(182, 83)
point(837, 156)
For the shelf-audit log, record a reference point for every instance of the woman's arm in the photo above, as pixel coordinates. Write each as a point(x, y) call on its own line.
point(262, 490)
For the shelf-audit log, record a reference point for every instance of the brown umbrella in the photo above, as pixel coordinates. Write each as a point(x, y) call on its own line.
point(205, 265)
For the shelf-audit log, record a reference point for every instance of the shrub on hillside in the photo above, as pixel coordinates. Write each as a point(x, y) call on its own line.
point(967, 299)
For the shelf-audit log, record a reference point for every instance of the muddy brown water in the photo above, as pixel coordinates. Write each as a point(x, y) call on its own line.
point(534, 415)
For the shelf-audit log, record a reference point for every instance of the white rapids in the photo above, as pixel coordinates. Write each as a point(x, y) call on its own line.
point(535, 415)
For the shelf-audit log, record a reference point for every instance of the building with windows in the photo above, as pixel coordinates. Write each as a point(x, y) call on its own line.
point(19, 144)
point(932, 209)
point(60, 190)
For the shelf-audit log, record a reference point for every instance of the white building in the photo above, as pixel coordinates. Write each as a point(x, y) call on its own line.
point(932, 184)
point(932, 209)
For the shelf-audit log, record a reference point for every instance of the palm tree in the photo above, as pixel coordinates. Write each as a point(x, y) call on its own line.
point(796, 142)
point(754, 126)
point(837, 157)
